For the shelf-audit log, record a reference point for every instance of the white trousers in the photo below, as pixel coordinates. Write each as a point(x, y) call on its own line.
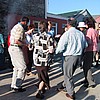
point(19, 64)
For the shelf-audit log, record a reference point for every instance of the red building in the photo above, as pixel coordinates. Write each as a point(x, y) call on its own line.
point(58, 21)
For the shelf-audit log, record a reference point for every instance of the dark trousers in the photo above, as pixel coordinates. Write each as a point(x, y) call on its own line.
point(2, 60)
point(30, 58)
point(87, 63)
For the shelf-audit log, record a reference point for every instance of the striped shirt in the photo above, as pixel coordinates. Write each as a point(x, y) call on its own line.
point(17, 33)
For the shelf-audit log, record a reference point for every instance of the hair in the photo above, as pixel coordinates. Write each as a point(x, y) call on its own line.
point(72, 22)
point(31, 26)
point(25, 19)
point(49, 22)
point(43, 25)
point(90, 23)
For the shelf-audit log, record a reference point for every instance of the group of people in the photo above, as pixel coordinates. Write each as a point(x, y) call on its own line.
point(40, 47)
point(77, 45)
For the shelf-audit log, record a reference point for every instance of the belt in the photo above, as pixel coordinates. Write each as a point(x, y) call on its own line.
point(16, 45)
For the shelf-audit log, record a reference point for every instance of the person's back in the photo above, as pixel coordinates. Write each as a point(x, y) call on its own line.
point(74, 42)
point(92, 39)
point(16, 33)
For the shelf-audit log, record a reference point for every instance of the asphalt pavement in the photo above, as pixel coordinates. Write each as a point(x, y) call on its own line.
point(56, 78)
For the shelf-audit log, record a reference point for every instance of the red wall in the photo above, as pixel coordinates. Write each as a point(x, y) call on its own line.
point(60, 22)
point(12, 19)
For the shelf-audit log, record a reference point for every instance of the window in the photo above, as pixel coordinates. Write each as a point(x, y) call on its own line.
point(63, 25)
point(36, 23)
point(54, 25)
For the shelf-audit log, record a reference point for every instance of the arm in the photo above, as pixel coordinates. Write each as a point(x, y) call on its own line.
point(2, 40)
point(62, 43)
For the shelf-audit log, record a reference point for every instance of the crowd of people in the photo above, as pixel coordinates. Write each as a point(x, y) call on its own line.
point(78, 45)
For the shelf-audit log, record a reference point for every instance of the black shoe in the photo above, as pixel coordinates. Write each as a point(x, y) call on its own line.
point(97, 65)
point(92, 86)
point(19, 90)
point(43, 91)
point(84, 82)
point(11, 88)
point(86, 85)
point(61, 89)
point(39, 95)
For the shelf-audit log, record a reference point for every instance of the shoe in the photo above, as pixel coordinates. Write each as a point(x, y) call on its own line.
point(30, 74)
point(61, 89)
point(92, 86)
point(43, 91)
point(84, 82)
point(97, 65)
point(71, 96)
point(86, 85)
point(19, 90)
point(11, 88)
point(39, 95)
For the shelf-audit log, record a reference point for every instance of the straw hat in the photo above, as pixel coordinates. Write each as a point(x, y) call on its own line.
point(81, 24)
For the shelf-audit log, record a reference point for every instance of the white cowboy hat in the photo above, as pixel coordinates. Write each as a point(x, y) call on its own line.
point(81, 24)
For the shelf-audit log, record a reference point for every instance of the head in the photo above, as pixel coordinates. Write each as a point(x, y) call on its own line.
point(43, 26)
point(71, 23)
point(24, 21)
point(49, 25)
point(81, 26)
point(90, 23)
point(31, 26)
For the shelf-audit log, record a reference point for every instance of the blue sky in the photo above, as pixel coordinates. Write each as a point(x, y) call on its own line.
point(63, 6)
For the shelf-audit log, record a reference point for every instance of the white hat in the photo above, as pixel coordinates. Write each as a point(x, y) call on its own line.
point(81, 24)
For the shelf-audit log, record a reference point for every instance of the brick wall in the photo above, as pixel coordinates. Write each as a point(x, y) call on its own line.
point(34, 8)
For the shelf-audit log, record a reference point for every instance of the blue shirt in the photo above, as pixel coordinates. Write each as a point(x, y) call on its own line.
point(72, 42)
point(51, 32)
point(1, 42)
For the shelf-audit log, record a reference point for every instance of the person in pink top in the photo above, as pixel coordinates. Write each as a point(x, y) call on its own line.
point(91, 37)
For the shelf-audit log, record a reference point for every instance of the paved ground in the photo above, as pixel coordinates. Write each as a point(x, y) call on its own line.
point(56, 78)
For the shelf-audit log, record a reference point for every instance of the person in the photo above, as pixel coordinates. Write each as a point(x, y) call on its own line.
point(2, 60)
point(43, 45)
point(82, 27)
point(30, 49)
point(65, 29)
point(17, 57)
point(98, 46)
point(51, 29)
point(52, 33)
point(91, 37)
point(72, 44)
